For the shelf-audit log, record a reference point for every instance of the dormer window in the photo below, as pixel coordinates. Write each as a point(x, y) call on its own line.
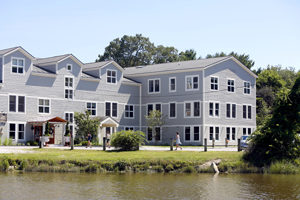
point(111, 76)
point(17, 65)
point(69, 67)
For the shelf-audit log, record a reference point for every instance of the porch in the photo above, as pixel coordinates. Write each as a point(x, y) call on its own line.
point(107, 125)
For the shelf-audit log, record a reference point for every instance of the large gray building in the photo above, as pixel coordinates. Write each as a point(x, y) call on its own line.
point(210, 98)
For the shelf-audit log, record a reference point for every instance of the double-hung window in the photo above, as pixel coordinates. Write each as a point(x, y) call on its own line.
point(246, 87)
point(196, 133)
point(92, 108)
point(111, 109)
point(111, 76)
point(44, 106)
point(69, 116)
point(214, 109)
point(192, 133)
point(191, 83)
point(172, 84)
point(247, 112)
point(172, 108)
point(230, 85)
point(192, 109)
point(69, 87)
point(16, 103)
point(149, 134)
point(230, 110)
point(187, 133)
point(214, 133)
point(17, 131)
point(151, 107)
point(129, 111)
point(153, 86)
point(230, 131)
point(17, 65)
point(214, 83)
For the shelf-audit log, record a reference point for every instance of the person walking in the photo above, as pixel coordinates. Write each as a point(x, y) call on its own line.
point(178, 142)
point(108, 139)
point(89, 139)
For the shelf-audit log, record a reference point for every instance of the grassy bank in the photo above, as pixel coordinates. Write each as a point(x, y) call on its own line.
point(55, 160)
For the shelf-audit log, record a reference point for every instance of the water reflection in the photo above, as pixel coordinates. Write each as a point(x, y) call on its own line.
point(148, 186)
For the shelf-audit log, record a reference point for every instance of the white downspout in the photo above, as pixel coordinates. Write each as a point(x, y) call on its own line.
point(140, 107)
point(203, 106)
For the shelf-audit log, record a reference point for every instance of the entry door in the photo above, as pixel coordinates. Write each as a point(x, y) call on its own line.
point(38, 131)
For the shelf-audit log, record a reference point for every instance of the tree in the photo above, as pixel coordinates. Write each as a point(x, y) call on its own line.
point(188, 55)
point(129, 51)
point(165, 54)
point(155, 119)
point(243, 58)
point(278, 138)
point(85, 125)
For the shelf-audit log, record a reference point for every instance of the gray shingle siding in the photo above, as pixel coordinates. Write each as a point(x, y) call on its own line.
point(90, 85)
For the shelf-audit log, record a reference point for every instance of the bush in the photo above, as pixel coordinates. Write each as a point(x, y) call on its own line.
point(169, 168)
point(84, 143)
point(128, 140)
point(32, 143)
point(188, 169)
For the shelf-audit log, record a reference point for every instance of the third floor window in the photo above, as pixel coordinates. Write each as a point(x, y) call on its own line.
point(111, 76)
point(191, 83)
point(154, 85)
point(17, 65)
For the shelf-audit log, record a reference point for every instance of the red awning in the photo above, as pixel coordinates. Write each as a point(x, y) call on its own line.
point(51, 120)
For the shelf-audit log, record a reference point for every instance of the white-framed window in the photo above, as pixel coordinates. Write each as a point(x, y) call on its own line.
point(214, 132)
point(17, 103)
point(172, 110)
point(111, 109)
point(17, 65)
point(111, 76)
point(192, 109)
point(230, 133)
point(187, 133)
point(244, 131)
point(153, 86)
point(92, 108)
point(246, 87)
point(69, 87)
point(247, 112)
point(17, 131)
point(44, 106)
point(233, 133)
point(155, 106)
point(214, 83)
point(151, 136)
point(196, 133)
point(214, 109)
point(192, 83)
point(69, 116)
point(230, 85)
point(69, 67)
point(172, 84)
point(129, 111)
point(230, 110)
point(249, 131)
point(129, 128)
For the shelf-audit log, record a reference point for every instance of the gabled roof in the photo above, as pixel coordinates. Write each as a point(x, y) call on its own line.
point(56, 59)
point(98, 65)
point(36, 70)
point(8, 51)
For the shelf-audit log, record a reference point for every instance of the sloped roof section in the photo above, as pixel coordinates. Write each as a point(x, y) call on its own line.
point(130, 81)
point(10, 50)
point(5, 51)
point(89, 77)
point(50, 60)
point(95, 64)
point(40, 70)
point(173, 66)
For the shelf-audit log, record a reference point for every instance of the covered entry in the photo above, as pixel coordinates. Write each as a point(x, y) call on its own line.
point(57, 129)
point(107, 124)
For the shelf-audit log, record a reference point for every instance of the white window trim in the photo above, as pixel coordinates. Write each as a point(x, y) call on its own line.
point(17, 130)
point(38, 106)
point(153, 136)
point(211, 83)
point(129, 111)
point(249, 88)
point(111, 108)
point(192, 76)
point(129, 127)
point(111, 76)
point(68, 64)
point(69, 88)
point(69, 112)
point(184, 138)
point(247, 105)
point(154, 86)
point(192, 134)
point(234, 85)
point(91, 103)
point(154, 107)
point(236, 110)
point(192, 109)
point(170, 84)
point(214, 109)
point(17, 103)
point(175, 110)
point(11, 62)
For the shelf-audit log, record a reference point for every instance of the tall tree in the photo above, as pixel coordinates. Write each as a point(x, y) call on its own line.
point(163, 54)
point(189, 54)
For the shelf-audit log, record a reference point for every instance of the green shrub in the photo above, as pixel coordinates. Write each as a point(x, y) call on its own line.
point(6, 142)
point(158, 168)
point(128, 140)
point(84, 143)
point(4, 165)
point(283, 167)
point(32, 143)
point(120, 165)
point(23, 165)
point(188, 169)
point(169, 168)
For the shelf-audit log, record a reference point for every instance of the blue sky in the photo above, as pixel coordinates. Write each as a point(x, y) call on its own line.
point(269, 31)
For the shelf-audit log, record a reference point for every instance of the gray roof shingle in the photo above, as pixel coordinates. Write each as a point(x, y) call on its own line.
point(95, 64)
point(173, 66)
point(50, 60)
point(88, 76)
point(4, 51)
point(40, 70)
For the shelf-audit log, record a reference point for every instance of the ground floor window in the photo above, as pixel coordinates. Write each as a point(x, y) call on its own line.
point(17, 131)
point(129, 128)
point(187, 133)
point(214, 133)
point(151, 136)
point(231, 131)
point(196, 133)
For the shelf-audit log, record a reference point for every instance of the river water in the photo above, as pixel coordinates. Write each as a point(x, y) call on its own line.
point(74, 186)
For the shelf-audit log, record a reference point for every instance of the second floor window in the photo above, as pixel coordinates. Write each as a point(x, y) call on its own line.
point(16, 103)
point(172, 84)
point(129, 111)
point(17, 65)
point(214, 83)
point(69, 85)
point(69, 117)
point(154, 85)
point(172, 113)
point(111, 109)
point(247, 111)
point(44, 106)
point(191, 82)
point(246, 87)
point(111, 76)
point(151, 107)
point(214, 109)
point(230, 110)
point(230, 85)
point(92, 108)
point(192, 109)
